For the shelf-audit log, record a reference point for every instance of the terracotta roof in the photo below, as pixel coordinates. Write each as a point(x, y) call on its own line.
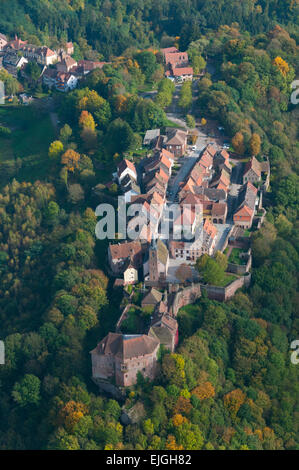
point(167, 154)
point(46, 52)
point(211, 149)
point(175, 58)
point(210, 229)
point(191, 199)
point(219, 209)
point(166, 161)
point(244, 211)
point(163, 174)
point(224, 154)
point(167, 50)
point(188, 187)
point(206, 160)
point(197, 175)
point(126, 346)
point(123, 165)
point(125, 250)
point(69, 61)
point(222, 186)
point(157, 198)
point(179, 71)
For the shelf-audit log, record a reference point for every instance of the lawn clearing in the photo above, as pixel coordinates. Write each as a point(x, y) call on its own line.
point(235, 257)
point(31, 135)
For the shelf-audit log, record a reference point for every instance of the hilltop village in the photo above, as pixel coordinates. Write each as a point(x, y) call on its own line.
point(58, 69)
point(175, 171)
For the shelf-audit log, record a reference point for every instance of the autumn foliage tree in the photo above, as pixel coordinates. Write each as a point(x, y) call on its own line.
point(234, 400)
point(71, 414)
point(238, 143)
point(203, 391)
point(282, 66)
point(255, 144)
point(86, 121)
point(70, 159)
point(55, 149)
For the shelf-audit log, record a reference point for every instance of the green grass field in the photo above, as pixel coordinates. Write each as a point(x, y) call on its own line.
point(235, 256)
point(31, 135)
point(228, 279)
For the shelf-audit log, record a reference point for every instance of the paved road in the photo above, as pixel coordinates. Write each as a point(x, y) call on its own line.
point(236, 182)
point(178, 120)
point(187, 164)
point(237, 172)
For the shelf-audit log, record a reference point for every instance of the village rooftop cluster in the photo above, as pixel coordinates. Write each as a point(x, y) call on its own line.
point(58, 68)
point(156, 182)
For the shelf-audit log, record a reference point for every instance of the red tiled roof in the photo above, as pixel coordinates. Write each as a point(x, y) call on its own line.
point(125, 250)
point(219, 209)
point(179, 71)
point(167, 50)
point(210, 229)
point(175, 58)
point(123, 165)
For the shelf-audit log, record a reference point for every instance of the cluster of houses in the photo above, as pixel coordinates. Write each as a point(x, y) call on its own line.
point(247, 199)
point(177, 65)
point(58, 69)
point(120, 357)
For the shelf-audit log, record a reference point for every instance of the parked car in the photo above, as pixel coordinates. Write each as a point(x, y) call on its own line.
point(193, 147)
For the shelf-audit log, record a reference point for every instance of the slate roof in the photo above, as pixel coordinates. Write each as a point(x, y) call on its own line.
point(254, 165)
point(162, 252)
point(152, 298)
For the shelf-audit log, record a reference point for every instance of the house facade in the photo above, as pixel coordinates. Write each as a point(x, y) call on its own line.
point(176, 142)
point(252, 171)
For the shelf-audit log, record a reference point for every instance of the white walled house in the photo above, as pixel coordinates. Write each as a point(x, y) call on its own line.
point(130, 275)
point(125, 168)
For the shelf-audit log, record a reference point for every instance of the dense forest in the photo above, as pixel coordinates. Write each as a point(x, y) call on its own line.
point(230, 384)
point(111, 26)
